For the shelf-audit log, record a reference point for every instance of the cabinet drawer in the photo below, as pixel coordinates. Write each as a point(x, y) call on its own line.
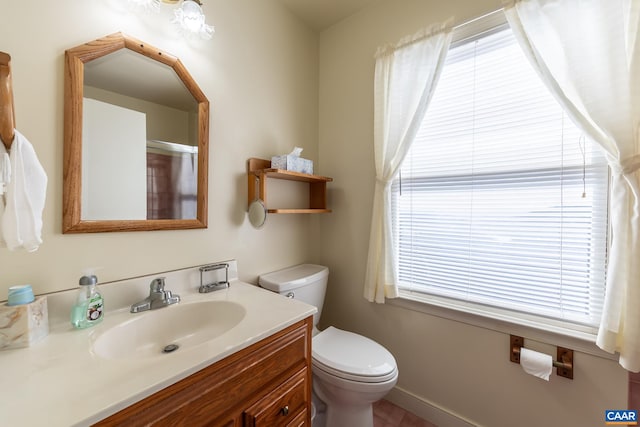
point(300, 420)
point(282, 406)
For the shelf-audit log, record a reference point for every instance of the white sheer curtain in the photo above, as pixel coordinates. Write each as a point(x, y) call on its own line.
point(405, 78)
point(588, 55)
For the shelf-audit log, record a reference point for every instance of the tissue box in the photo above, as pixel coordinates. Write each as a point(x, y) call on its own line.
point(292, 163)
point(23, 325)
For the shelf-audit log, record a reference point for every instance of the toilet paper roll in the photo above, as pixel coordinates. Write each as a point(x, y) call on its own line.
point(536, 363)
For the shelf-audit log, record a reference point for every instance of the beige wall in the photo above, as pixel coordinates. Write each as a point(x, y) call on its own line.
point(260, 73)
point(461, 369)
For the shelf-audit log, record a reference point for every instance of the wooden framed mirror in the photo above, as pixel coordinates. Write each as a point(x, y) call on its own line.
point(136, 140)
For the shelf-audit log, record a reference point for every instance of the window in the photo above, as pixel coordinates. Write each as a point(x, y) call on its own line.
point(489, 206)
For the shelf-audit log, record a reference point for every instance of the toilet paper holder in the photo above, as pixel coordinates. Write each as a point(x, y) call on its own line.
point(563, 362)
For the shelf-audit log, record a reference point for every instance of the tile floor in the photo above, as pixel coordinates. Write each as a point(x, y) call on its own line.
point(634, 391)
point(386, 414)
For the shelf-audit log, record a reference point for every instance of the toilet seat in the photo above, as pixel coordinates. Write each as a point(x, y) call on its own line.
point(353, 357)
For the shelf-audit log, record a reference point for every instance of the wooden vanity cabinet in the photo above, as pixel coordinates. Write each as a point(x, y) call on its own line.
point(266, 384)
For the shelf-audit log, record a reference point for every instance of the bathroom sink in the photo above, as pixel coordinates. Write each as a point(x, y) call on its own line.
point(167, 330)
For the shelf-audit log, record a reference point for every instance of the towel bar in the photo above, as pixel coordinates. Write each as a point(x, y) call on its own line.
point(223, 284)
point(563, 362)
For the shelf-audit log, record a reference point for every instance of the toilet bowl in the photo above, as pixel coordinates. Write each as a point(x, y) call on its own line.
point(350, 371)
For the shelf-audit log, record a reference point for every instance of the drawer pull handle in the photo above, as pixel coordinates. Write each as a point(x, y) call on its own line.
point(285, 410)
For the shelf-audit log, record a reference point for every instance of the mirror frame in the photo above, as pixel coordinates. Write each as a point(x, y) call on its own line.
point(75, 59)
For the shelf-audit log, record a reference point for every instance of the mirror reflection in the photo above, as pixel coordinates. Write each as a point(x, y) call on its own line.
point(136, 139)
point(139, 116)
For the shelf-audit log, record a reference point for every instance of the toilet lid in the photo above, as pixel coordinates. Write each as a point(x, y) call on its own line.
point(352, 356)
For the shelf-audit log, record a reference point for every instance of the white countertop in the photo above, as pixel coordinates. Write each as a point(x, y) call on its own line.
point(59, 381)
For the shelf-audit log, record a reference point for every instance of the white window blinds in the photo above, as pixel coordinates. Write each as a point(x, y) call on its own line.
point(489, 204)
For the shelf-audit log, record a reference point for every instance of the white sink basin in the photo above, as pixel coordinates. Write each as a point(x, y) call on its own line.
point(155, 333)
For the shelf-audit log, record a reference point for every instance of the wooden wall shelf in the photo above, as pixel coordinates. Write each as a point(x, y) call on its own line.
point(261, 169)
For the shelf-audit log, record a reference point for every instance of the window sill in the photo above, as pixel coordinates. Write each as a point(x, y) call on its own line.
point(502, 321)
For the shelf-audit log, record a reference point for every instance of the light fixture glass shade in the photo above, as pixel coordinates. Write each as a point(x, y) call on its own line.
point(191, 20)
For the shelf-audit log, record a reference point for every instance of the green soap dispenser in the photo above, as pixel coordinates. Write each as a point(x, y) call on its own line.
point(88, 308)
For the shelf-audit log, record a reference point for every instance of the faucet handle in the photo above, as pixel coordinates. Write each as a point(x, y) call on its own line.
point(157, 285)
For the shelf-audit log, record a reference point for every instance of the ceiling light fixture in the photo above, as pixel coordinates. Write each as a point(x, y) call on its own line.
point(191, 20)
point(189, 17)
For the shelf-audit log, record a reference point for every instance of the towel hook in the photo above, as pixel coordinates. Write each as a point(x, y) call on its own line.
point(7, 112)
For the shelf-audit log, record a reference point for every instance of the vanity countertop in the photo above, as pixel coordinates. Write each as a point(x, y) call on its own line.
point(60, 381)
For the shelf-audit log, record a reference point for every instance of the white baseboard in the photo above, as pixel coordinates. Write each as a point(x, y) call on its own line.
point(427, 410)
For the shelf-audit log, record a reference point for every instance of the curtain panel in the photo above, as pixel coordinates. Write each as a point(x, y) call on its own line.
point(587, 54)
point(405, 78)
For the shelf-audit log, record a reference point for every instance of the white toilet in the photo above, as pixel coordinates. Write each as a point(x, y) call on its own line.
point(350, 372)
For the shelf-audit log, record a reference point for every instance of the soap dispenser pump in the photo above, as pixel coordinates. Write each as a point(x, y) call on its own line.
point(88, 308)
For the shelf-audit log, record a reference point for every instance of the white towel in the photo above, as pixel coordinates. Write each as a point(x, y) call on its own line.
point(21, 222)
point(5, 177)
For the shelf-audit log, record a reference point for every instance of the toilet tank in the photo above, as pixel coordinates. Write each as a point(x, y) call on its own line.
point(304, 282)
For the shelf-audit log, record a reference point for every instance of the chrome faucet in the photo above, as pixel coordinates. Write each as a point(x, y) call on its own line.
point(157, 298)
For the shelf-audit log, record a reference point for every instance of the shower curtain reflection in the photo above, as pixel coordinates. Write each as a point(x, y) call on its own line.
point(172, 171)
